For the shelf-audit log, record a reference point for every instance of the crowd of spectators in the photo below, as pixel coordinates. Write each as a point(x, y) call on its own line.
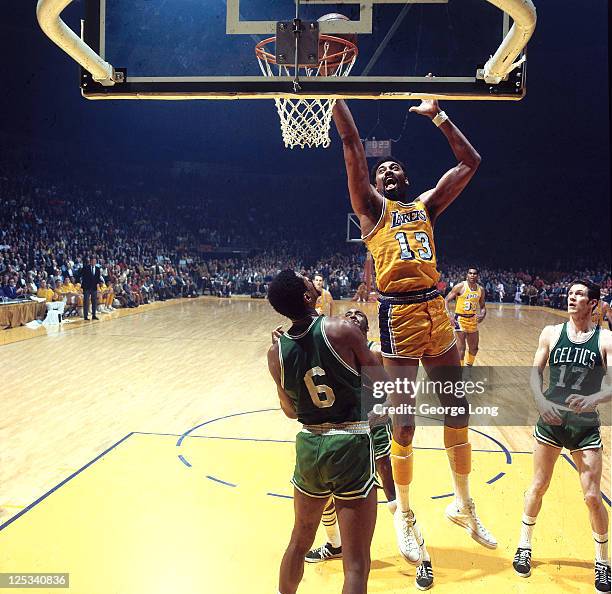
point(545, 288)
point(156, 248)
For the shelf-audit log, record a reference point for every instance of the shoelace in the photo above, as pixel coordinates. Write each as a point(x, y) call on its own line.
point(481, 528)
point(601, 573)
point(324, 552)
point(424, 571)
point(523, 556)
point(406, 526)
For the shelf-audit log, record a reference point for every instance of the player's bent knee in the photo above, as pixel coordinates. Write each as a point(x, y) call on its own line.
point(538, 489)
point(403, 433)
point(300, 544)
point(593, 499)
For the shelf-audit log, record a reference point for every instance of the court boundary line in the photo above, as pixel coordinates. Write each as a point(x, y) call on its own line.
point(63, 482)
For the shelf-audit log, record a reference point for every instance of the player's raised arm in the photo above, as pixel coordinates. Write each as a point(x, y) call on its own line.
point(454, 180)
point(274, 367)
point(365, 200)
point(548, 411)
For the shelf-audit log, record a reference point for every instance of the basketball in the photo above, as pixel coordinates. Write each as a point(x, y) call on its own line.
point(334, 47)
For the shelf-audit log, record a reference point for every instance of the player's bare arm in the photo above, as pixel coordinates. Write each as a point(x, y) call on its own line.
point(365, 200)
point(483, 306)
point(348, 342)
point(274, 367)
point(584, 404)
point(454, 180)
point(451, 297)
point(548, 411)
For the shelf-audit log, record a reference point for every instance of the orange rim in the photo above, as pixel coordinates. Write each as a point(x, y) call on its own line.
point(347, 55)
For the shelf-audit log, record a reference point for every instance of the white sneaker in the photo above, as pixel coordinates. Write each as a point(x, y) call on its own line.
point(406, 537)
point(468, 519)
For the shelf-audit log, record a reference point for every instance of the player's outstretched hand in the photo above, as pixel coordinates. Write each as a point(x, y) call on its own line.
point(428, 107)
point(581, 404)
point(549, 413)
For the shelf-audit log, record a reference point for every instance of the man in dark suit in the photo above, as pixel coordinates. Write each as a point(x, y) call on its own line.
point(90, 279)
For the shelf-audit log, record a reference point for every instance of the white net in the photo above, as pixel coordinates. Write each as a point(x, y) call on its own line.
point(306, 122)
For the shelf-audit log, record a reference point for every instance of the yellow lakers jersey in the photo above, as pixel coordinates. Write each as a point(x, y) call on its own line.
point(598, 314)
point(467, 302)
point(323, 300)
point(402, 245)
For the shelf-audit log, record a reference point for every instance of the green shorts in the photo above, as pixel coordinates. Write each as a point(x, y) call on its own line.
point(381, 438)
point(334, 463)
point(577, 435)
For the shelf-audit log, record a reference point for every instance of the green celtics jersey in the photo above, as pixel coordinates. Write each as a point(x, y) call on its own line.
point(575, 368)
point(323, 387)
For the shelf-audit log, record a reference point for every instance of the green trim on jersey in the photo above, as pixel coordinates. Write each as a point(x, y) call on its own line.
point(323, 387)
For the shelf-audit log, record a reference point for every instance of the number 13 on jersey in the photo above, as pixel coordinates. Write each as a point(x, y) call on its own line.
point(421, 239)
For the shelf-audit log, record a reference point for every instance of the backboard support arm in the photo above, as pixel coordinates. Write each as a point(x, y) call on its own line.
point(48, 14)
point(500, 64)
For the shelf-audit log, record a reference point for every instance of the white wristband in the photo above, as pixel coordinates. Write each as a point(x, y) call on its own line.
point(440, 119)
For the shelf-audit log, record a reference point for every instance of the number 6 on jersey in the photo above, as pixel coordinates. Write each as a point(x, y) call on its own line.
point(322, 396)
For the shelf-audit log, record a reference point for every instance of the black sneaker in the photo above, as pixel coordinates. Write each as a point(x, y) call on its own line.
point(522, 562)
point(424, 576)
point(323, 553)
point(602, 577)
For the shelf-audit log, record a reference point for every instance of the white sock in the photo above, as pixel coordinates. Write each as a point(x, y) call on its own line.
point(527, 526)
point(330, 522)
point(392, 505)
point(402, 497)
point(601, 547)
point(462, 489)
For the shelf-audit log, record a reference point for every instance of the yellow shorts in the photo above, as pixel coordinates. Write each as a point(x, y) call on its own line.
point(415, 330)
point(467, 324)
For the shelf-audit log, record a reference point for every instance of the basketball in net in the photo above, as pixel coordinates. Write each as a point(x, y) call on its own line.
point(306, 122)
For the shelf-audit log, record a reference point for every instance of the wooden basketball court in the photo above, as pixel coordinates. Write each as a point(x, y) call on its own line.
point(146, 453)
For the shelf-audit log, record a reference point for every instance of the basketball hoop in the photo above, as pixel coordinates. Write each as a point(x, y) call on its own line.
point(306, 122)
